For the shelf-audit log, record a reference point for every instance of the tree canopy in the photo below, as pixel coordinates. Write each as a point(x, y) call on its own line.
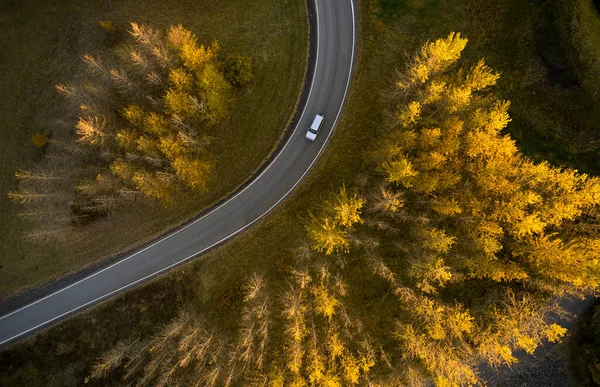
point(476, 241)
point(317, 341)
point(463, 245)
point(145, 117)
point(508, 218)
point(166, 95)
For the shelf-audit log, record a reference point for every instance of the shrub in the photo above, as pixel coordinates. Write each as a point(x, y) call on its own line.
point(111, 34)
point(39, 140)
point(107, 26)
point(238, 70)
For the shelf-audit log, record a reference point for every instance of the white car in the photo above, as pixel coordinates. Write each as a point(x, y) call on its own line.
point(314, 127)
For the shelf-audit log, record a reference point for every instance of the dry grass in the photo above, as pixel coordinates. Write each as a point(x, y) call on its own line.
point(42, 43)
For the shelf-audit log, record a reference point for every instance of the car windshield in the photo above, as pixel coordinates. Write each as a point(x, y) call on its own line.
point(312, 131)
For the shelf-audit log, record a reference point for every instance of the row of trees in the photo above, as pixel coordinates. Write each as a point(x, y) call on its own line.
point(143, 127)
point(190, 351)
point(303, 337)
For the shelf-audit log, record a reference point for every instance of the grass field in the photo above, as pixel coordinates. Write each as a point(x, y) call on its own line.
point(503, 32)
point(42, 43)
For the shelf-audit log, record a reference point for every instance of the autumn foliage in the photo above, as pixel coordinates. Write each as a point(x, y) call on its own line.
point(329, 232)
point(165, 104)
point(316, 341)
point(145, 118)
point(492, 213)
point(463, 246)
point(476, 241)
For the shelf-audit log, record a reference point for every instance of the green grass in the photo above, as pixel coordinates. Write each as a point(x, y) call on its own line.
point(42, 43)
point(503, 33)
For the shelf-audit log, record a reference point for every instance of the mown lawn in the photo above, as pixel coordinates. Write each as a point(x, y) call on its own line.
point(42, 43)
point(388, 30)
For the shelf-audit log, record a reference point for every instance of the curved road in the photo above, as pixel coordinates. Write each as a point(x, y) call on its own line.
point(334, 23)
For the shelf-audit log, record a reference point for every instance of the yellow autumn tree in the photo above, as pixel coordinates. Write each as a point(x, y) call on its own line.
point(145, 114)
point(192, 172)
point(474, 238)
point(324, 345)
point(162, 140)
point(329, 232)
point(92, 130)
point(437, 336)
point(451, 156)
point(318, 342)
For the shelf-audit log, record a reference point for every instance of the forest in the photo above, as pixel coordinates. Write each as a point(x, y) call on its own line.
point(475, 242)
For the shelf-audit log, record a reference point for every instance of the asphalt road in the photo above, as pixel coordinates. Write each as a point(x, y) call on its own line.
point(334, 24)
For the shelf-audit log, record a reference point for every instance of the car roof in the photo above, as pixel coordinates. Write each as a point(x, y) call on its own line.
point(316, 122)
